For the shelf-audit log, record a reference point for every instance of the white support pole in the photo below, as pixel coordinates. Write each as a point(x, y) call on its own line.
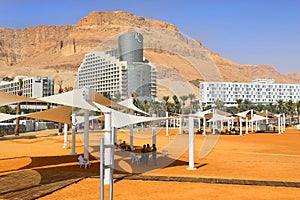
point(256, 124)
point(283, 122)
point(180, 125)
point(153, 131)
point(267, 118)
point(191, 143)
point(204, 126)
point(107, 141)
point(241, 133)
point(222, 126)
point(213, 123)
point(167, 124)
point(131, 132)
point(86, 134)
point(252, 125)
point(73, 152)
point(279, 128)
point(114, 135)
point(174, 123)
point(228, 124)
point(66, 143)
point(247, 125)
point(232, 122)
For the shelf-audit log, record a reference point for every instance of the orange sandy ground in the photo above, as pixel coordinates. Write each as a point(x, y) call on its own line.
point(254, 156)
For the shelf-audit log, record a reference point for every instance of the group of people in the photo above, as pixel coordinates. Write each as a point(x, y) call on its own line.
point(123, 146)
point(146, 150)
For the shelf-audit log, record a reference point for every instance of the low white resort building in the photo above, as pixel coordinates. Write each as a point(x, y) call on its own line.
point(261, 91)
point(33, 87)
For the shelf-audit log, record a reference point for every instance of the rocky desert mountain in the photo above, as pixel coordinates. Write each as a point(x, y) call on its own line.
point(181, 62)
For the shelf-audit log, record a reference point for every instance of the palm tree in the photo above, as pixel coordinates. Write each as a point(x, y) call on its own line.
point(20, 93)
point(192, 97)
point(183, 99)
point(219, 104)
point(166, 103)
point(176, 103)
point(290, 106)
point(145, 105)
point(280, 105)
point(298, 110)
point(239, 102)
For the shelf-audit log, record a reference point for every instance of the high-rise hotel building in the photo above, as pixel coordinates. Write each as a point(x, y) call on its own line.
point(33, 87)
point(262, 91)
point(123, 70)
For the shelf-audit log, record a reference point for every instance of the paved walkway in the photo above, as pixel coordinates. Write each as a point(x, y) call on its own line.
point(214, 180)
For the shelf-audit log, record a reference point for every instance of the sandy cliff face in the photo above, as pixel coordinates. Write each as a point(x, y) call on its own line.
point(182, 63)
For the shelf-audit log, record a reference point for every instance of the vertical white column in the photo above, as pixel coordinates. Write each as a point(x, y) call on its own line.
point(107, 141)
point(114, 135)
point(252, 125)
point(222, 125)
point(204, 126)
point(131, 132)
point(283, 117)
point(247, 125)
point(154, 130)
point(73, 152)
point(191, 143)
point(180, 125)
point(86, 134)
point(241, 133)
point(279, 128)
point(267, 118)
point(167, 124)
point(174, 123)
point(66, 145)
point(228, 125)
point(213, 122)
point(232, 122)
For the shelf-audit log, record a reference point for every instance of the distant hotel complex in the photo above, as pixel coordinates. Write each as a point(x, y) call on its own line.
point(33, 87)
point(121, 71)
point(259, 91)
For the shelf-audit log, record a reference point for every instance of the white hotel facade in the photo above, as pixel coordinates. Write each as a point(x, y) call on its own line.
point(33, 87)
point(260, 91)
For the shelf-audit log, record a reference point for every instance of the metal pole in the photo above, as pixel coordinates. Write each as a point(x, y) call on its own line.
point(246, 125)
point(86, 134)
point(191, 143)
point(101, 169)
point(131, 133)
point(241, 133)
point(252, 120)
point(66, 145)
point(107, 141)
point(167, 124)
point(204, 126)
point(180, 125)
point(153, 131)
point(279, 131)
point(73, 152)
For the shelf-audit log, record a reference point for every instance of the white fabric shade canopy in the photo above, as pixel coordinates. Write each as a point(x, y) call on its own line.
point(128, 103)
point(120, 119)
point(72, 98)
point(4, 117)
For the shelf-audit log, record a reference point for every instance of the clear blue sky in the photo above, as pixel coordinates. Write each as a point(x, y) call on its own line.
point(245, 31)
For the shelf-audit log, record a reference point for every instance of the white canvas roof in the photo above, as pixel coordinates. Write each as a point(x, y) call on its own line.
point(4, 117)
point(202, 114)
point(217, 117)
point(128, 103)
point(120, 119)
point(257, 118)
point(72, 98)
